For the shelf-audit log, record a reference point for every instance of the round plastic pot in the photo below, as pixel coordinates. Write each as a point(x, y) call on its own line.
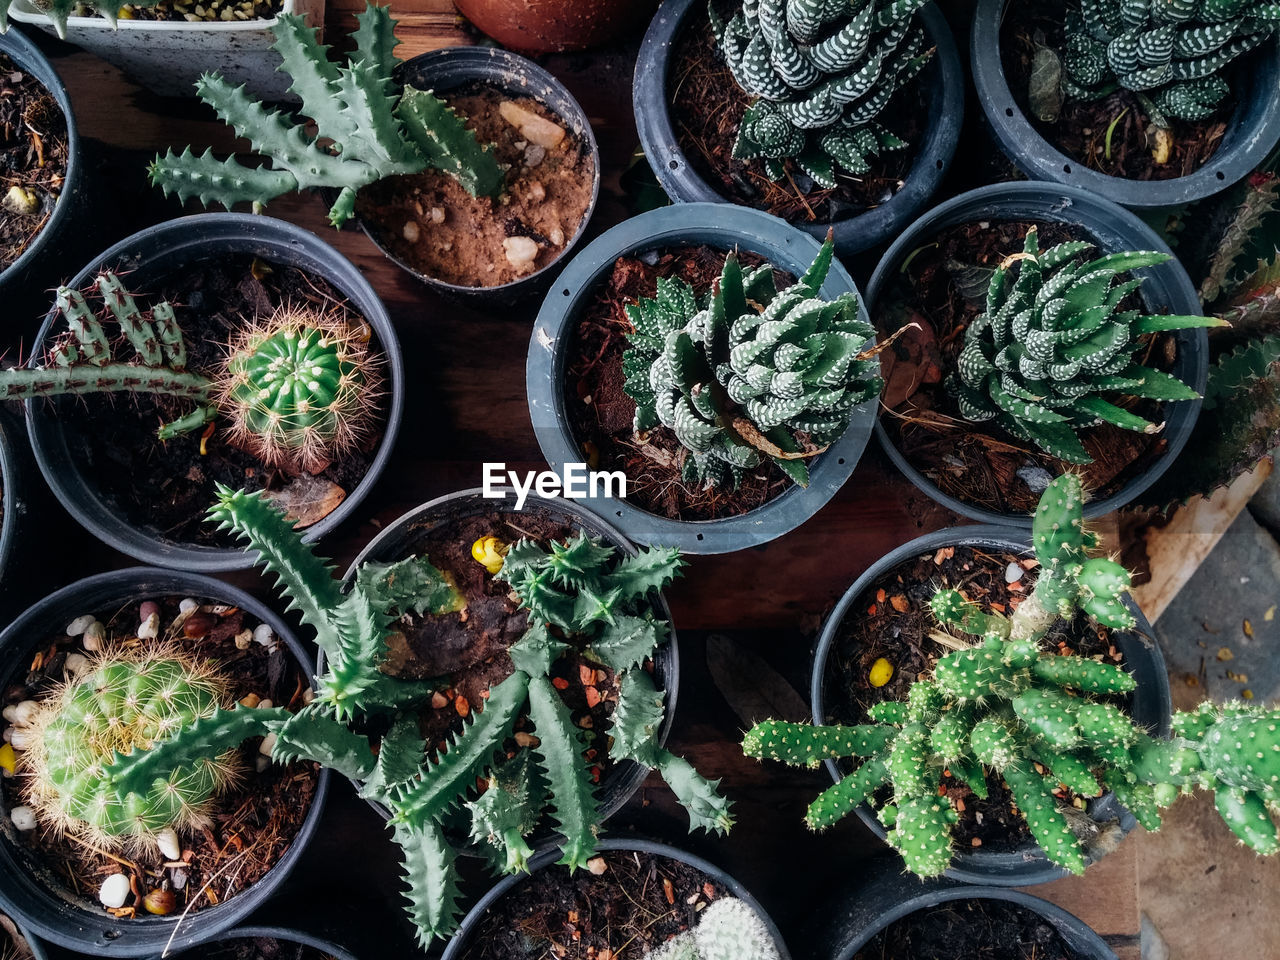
point(39, 265)
point(944, 82)
point(1252, 130)
point(549, 26)
point(462, 939)
point(443, 70)
point(13, 508)
point(886, 895)
point(285, 934)
point(30, 893)
point(404, 538)
point(691, 224)
point(1152, 701)
point(146, 257)
point(1166, 289)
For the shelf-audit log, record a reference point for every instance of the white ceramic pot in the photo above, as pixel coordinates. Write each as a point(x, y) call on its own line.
point(168, 57)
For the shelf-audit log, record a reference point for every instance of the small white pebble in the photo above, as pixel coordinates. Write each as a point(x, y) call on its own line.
point(94, 636)
point(261, 763)
point(556, 236)
point(597, 866)
point(1013, 572)
point(308, 695)
point(437, 215)
point(76, 664)
point(521, 252)
point(244, 638)
point(149, 629)
point(537, 192)
point(263, 635)
point(24, 818)
point(167, 841)
point(411, 231)
point(188, 605)
point(265, 704)
point(80, 624)
point(22, 739)
point(114, 890)
point(8, 733)
point(268, 744)
point(10, 713)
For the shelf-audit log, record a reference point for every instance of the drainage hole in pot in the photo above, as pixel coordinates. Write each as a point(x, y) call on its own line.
point(565, 292)
point(1220, 175)
point(699, 536)
point(840, 461)
point(674, 164)
point(1008, 111)
point(1066, 168)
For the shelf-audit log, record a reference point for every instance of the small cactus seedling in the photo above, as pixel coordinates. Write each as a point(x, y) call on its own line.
point(728, 929)
point(740, 379)
point(823, 73)
point(1055, 340)
point(298, 390)
point(1042, 721)
point(372, 129)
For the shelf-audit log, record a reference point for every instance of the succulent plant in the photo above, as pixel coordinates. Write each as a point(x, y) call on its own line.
point(1171, 52)
point(823, 72)
point(728, 929)
point(1057, 338)
point(297, 390)
point(59, 10)
point(1007, 705)
point(740, 379)
point(366, 128)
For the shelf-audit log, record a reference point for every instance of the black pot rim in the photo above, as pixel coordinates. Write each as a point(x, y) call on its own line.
point(683, 184)
point(27, 55)
point(728, 226)
point(462, 64)
point(1029, 867)
point(629, 774)
point(183, 234)
point(1054, 201)
point(132, 940)
point(453, 951)
point(911, 898)
point(11, 478)
point(1038, 158)
point(288, 934)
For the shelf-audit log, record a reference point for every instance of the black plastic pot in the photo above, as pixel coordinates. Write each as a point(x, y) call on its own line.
point(404, 538)
point(44, 905)
point(1252, 131)
point(14, 467)
point(944, 78)
point(492, 899)
point(285, 934)
point(886, 895)
point(1152, 701)
point(1167, 289)
point(146, 256)
point(39, 266)
point(720, 226)
point(443, 70)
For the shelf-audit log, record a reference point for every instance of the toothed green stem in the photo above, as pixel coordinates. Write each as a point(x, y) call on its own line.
point(560, 755)
point(23, 384)
point(806, 745)
point(841, 799)
point(432, 894)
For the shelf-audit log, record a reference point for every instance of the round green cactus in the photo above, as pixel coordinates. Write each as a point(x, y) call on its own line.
point(128, 702)
point(299, 388)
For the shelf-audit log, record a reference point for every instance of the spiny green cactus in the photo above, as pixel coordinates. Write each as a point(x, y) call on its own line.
point(727, 929)
point(1037, 720)
point(1171, 52)
point(372, 130)
point(1054, 340)
point(741, 378)
point(823, 72)
point(299, 389)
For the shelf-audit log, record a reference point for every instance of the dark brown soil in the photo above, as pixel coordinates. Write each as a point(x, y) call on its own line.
point(255, 948)
point(467, 651)
point(979, 463)
point(969, 930)
point(892, 620)
point(167, 487)
point(33, 156)
point(252, 824)
point(211, 11)
point(547, 194)
point(1081, 128)
point(637, 903)
point(601, 414)
point(707, 106)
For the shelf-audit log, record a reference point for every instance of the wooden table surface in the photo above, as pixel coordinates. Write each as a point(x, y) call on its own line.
point(466, 405)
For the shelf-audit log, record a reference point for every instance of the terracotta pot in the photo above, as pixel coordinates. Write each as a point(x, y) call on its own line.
point(549, 26)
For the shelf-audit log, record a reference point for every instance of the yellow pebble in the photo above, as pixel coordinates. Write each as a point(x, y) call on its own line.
point(881, 672)
point(8, 759)
point(489, 552)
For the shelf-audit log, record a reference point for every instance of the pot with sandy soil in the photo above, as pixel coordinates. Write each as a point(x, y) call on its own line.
point(981, 416)
point(756, 425)
point(551, 26)
point(278, 368)
point(260, 942)
point(701, 911)
point(1163, 129)
point(473, 169)
point(44, 175)
point(890, 915)
point(179, 863)
point(813, 142)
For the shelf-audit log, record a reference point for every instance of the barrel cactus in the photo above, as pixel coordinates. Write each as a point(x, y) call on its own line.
point(1058, 337)
point(728, 929)
point(1171, 52)
point(1044, 722)
point(753, 371)
point(823, 71)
